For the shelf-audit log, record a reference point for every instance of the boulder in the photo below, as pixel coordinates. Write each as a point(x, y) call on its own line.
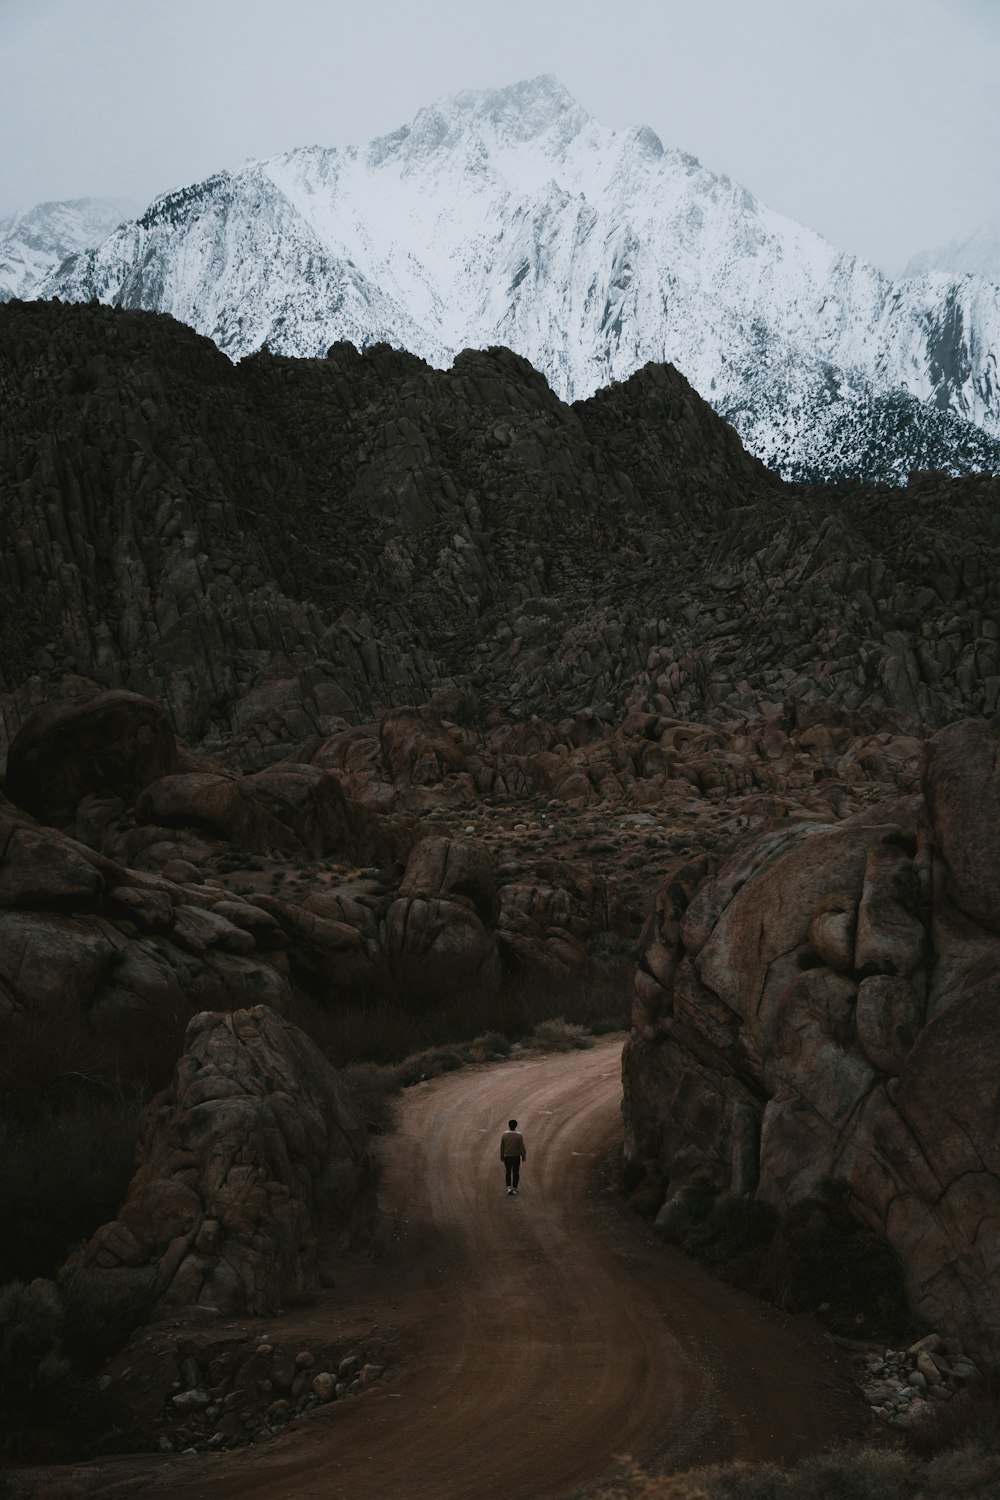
point(113, 743)
point(826, 1005)
point(457, 869)
point(222, 806)
point(253, 1170)
point(39, 868)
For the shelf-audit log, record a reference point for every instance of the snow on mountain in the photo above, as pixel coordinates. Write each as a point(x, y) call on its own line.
point(978, 254)
point(37, 241)
point(510, 216)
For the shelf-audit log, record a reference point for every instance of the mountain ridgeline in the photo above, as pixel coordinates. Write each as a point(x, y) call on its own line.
point(511, 217)
point(279, 546)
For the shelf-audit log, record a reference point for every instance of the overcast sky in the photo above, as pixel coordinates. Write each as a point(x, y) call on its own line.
point(872, 121)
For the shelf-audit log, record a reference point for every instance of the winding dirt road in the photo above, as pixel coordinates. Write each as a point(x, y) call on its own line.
point(539, 1335)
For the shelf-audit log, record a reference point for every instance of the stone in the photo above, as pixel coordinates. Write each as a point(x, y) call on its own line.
point(114, 742)
point(451, 870)
point(752, 1010)
point(39, 868)
point(257, 1119)
point(193, 1400)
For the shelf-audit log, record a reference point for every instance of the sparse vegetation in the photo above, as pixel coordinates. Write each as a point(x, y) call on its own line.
point(862, 1472)
point(970, 1420)
point(409, 1016)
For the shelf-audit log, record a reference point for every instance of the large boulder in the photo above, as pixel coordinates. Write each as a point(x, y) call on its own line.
point(113, 743)
point(826, 1005)
point(221, 806)
point(253, 1174)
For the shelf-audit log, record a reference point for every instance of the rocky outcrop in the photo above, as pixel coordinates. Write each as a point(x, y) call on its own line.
point(826, 1005)
point(119, 946)
point(111, 743)
point(253, 1173)
point(296, 546)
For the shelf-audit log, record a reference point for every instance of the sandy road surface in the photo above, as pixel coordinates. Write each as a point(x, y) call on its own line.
point(547, 1332)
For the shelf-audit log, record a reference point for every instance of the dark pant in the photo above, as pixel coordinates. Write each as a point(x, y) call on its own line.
point(512, 1166)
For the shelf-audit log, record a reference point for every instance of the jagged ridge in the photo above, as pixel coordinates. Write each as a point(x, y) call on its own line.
point(274, 546)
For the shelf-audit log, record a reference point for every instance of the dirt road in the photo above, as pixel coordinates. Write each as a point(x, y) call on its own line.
point(543, 1334)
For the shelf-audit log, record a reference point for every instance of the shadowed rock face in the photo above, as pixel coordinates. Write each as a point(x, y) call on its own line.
point(272, 549)
point(825, 1005)
point(111, 744)
point(252, 1172)
point(626, 644)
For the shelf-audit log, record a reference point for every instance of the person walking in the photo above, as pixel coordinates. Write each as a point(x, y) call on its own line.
point(512, 1154)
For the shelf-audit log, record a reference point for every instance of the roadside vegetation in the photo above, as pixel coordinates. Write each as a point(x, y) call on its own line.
point(964, 1465)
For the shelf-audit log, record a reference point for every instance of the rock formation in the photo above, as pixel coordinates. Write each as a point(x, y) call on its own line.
point(279, 550)
point(824, 1005)
point(253, 1172)
point(302, 703)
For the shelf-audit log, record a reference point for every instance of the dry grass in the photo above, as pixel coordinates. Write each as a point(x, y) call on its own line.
point(860, 1472)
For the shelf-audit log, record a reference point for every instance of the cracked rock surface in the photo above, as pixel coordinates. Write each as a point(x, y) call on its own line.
point(826, 1004)
point(253, 1172)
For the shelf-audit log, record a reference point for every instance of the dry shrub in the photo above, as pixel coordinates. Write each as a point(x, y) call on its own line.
point(373, 1090)
point(560, 1035)
point(634, 1483)
point(970, 1419)
point(858, 1472)
point(969, 1473)
point(31, 1340)
point(852, 1474)
point(102, 1310)
point(431, 1063)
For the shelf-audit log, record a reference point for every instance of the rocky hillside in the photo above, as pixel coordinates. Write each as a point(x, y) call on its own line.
point(276, 548)
point(346, 680)
point(35, 243)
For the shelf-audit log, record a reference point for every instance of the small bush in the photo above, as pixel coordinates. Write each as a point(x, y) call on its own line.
point(854, 1474)
point(373, 1089)
point(972, 1417)
point(431, 1064)
point(635, 1484)
point(490, 1047)
point(857, 1472)
point(102, 1310)
point(31, 1340)
point(560, 1035)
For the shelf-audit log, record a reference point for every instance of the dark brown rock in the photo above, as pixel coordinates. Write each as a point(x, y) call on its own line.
point(784, 1035)
point(110, 743)
point(252, 1169)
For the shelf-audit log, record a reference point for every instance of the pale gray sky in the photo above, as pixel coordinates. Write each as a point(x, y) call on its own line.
point(872, 121)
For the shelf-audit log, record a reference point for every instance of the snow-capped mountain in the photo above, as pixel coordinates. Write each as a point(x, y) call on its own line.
point(37, 241)
point(512, 217)
point(978, 254)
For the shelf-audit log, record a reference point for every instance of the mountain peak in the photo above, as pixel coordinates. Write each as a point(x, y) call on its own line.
point(511, 216)
point(537, 110)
